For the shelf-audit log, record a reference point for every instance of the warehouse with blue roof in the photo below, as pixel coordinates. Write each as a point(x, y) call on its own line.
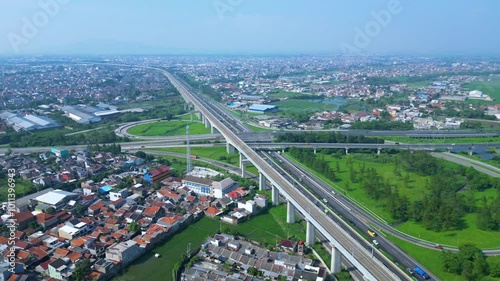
point(262, 108)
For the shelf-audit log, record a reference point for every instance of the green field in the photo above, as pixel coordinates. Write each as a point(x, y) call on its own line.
point(304, 105)
point(490, 88)
point(431, 259)
point(217, 153)
point(283, 94)
point(21, 187)
point(470, 233)
point(168, 128)
point(447, 140)
point(261, 228)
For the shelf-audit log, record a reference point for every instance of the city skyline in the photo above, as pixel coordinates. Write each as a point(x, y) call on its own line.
point(244, 27)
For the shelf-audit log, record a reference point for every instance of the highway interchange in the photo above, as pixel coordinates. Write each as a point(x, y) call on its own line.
point(291, 177)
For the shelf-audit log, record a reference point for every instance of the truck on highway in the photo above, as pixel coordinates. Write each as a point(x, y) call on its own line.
point(372, 233)
point(194, 156)
point(420, 272)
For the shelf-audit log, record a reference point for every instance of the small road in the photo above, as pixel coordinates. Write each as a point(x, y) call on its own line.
point(467, 162)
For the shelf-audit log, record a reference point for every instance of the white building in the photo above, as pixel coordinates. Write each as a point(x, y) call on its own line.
point(221, 188)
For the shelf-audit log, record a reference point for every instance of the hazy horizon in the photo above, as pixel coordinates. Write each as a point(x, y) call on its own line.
point(244, 27)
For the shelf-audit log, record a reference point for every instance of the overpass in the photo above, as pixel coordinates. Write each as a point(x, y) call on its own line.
point(342, 243)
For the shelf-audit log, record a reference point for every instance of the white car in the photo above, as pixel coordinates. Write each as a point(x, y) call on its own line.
point(375, 242)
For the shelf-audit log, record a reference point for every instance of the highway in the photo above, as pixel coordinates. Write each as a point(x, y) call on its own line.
point(356, 216)
point(464, 161)
point(373, 269)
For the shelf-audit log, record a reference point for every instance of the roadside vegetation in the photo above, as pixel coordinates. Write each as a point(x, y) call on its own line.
point(420, 195)
point(168, 128)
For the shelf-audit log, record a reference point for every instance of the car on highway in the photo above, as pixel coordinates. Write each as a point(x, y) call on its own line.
point(410, 270)
point(437, 246)
point(324, 200)
point(375, 242)
point(142, 146)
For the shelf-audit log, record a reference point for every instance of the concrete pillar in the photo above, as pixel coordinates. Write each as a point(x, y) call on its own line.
point(347, 151)
point(229, 148)
point(200, 117)
point(310, 234)
point(315, 150)
point(471, 151)
point(213, 130)
point(191, 115)
point(336, 267)
point(262, 182)
point(242, 165)
point(290, 212)
point(497, 149)
point(378, 150)
point(275, 195)
point(207, 123)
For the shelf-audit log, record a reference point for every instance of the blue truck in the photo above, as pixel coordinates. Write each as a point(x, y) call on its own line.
point(420, 272)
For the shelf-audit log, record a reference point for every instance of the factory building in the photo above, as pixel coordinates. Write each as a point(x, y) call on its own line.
point(27, 122)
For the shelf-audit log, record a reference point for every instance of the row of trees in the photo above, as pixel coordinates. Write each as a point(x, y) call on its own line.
point(112, 148)
point(25, 139)
point(383, 125)
point(310, 159)
point(325, 137)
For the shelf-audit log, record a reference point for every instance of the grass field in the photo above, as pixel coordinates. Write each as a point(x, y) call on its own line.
point(21, 187)
point(261, 228)
point(208, 152)
point(484, 239)
point(490, 88)
point(448, 140)
point(431, 259)
point(282, 94)
point(168, 128)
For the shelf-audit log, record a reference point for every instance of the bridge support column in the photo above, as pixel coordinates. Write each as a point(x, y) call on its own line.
point(471, 151)
point(347, 151)
point(213, 130)
point(262, 182)
point(243, 165)
point(378, 150)
point(198, 114)
point(497, 149)
point(191, 116)
point(335, 266)
point(290, 212)
point(314, 150)
point(207, 123)
point(275, 195)
point(229, 148)
point(310, 234)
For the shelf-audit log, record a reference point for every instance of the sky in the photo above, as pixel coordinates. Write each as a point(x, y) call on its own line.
point(249, 27)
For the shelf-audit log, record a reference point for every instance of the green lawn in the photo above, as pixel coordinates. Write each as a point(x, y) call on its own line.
point(431, 259)
point(449, 140)
point(21, 187)
point(168, 128)
point(283, 94)
point(215, 153)
point(484, 239)
point(490, 88)
point(259, 128)
point(187, 117)
point(304, 105)
point(261, 228)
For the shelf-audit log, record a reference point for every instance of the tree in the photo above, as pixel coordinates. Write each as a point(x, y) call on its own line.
point(133, 226)
point(253, 271)
point(481, 267)
point(495, 269)
point(81, 270)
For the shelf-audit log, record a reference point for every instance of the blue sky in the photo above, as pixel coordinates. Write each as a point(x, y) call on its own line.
point(249, 26)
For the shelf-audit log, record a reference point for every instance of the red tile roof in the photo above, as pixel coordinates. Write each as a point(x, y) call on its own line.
point(160, 170)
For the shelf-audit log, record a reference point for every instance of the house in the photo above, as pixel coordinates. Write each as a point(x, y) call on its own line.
point(118, 194)
point(59, 269)
point(158, 174)
point(46, 220)
point(212, 212)
point(221, 188)
point(23, 219)
point(288, 245)
point(124, 252)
